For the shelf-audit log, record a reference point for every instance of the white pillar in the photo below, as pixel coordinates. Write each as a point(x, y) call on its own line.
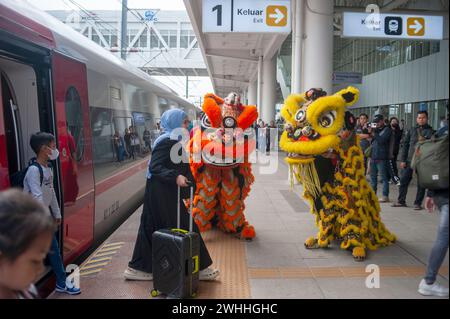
point(259, 85)
point(318, 45)
point(269, 89)
point(252, 93)
point(297, 45)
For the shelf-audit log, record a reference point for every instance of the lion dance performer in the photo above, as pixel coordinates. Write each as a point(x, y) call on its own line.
point(223, 174)
point(325, 156)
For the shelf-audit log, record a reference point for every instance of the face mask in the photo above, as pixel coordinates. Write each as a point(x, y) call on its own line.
point(54, 155)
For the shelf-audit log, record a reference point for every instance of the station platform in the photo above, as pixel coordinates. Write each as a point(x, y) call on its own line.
point(275, 265)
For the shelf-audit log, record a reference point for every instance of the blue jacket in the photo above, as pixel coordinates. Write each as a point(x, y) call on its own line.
point(380, 143)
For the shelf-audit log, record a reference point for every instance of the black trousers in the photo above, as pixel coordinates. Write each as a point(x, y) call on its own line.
point(152, 221)
point(405, 180)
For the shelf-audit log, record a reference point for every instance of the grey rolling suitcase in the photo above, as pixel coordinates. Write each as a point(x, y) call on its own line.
point(176, 259)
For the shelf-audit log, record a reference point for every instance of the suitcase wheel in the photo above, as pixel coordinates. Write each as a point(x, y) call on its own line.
point(155, 293)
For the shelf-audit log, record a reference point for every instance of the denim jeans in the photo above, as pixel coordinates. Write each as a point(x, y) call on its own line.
point(379, 166)
point(439, 248)
point(54, 256)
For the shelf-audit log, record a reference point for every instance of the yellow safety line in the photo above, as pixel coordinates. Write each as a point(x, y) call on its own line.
point(97, 260)
point(108, 253)
point(90, 272)
point(109, 249)
point(93, 266)
point(113, 244)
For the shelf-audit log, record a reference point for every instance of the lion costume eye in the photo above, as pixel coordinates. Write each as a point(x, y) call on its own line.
point(327, 119)
point(300, 116)
point(206, 123)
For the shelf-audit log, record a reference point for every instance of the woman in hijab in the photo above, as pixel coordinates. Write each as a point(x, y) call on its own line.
point(160, 201)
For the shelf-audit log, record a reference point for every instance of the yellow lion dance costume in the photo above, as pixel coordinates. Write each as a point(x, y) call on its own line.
point(223, 174)
point(325, 156)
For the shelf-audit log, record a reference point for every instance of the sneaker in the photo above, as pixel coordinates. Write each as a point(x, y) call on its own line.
point(399, 205)
point(398, 184)
point(435, 289)
point(72, 290)
point(209, 274)
point(417, 207)
point(384, 199)
point(133, 274)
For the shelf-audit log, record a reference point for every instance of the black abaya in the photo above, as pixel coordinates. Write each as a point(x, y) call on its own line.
point(160, 210)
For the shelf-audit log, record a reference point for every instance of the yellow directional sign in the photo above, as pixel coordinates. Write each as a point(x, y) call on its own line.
point(277, 16)
point(416, 26)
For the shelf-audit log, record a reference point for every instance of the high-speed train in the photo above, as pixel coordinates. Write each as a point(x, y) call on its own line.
point(54, 79)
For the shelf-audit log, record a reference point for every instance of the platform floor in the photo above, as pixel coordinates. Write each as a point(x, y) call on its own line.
point(276, 264)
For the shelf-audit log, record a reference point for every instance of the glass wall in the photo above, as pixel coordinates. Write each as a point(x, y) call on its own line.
point(437, 111)
point(369, 56)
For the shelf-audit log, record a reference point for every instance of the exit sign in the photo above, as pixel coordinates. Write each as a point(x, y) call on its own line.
point(249, 16)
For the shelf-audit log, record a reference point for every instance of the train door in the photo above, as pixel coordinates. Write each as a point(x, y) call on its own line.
point(75, 146)
point(4, 172)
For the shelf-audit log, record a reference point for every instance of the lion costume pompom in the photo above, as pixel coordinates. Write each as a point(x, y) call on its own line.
point(325, 156)
point(223, 173)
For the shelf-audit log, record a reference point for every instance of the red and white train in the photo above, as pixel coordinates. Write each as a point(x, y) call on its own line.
point(56, 80)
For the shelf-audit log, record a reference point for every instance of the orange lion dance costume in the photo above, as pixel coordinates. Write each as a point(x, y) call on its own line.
point(223, 173)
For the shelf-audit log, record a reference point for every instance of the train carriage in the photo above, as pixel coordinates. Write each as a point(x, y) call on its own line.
point(56, 80)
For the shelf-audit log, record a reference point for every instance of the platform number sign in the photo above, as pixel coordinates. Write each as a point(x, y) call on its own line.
point(218, 8)
point(249, 16)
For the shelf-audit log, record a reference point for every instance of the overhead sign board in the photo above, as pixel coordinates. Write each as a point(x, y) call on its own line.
point(347, 77)
point(249, 16)
point(393, 26)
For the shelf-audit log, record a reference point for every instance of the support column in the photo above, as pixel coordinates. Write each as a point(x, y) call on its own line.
point(123, 31)
point(253, 93)
point(318, 45)
point(260, 82)
point(297, 45)
point(269, 89)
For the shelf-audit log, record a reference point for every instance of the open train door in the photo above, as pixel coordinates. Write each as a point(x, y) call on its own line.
point(75, 147)
point(4, 174)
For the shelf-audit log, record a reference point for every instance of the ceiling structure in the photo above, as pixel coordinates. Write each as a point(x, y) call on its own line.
point(232, 58)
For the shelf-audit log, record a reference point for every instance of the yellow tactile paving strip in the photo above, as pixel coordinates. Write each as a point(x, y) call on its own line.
point(228, 255)
point(336, 272)
point(100, 259)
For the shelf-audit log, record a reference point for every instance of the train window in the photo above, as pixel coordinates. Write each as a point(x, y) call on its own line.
point(74, 118)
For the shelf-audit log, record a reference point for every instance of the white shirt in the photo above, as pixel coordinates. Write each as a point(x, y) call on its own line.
point(45, 194)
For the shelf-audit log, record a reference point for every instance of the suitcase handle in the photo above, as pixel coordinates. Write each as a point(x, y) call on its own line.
point(191, 202)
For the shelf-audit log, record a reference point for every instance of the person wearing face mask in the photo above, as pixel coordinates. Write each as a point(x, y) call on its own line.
point(38, 182)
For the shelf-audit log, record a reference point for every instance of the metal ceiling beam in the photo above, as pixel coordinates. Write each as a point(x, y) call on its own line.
point(229, 56)
point(394, 4)
point(230, 78)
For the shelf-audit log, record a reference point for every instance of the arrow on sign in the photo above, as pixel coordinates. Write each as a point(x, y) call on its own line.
point(417, 26)
point(278, 15)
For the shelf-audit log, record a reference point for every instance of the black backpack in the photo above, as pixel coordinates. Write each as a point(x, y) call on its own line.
point(18, 178)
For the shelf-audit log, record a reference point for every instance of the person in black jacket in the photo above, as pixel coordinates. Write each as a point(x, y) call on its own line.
point(419, 133)
point(164, 175)
point(381, 135)
point(394, 148)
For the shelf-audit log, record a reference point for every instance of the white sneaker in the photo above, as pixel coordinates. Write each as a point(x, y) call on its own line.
point(133, 274)
point(435, 289)
point(383, 199)
point(209, 274)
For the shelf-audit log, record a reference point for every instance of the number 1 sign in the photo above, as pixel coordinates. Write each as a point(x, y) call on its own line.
point(249, 16)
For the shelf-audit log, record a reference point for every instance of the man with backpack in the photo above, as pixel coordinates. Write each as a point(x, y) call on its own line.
point(423, 131)
point(431, 162)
